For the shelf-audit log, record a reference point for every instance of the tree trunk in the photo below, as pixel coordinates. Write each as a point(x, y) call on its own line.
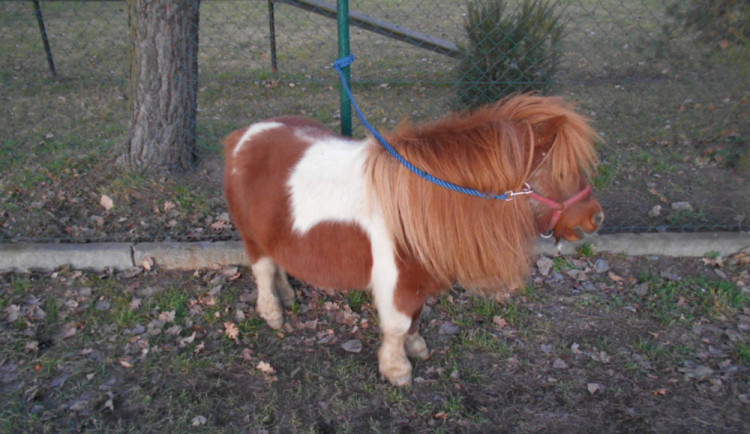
point(163, 84)
point(743, 164)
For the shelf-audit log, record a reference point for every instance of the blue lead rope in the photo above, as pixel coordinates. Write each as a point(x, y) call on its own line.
point(346, 61)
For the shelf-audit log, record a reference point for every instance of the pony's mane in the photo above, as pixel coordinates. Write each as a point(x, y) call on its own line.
point(480, 243)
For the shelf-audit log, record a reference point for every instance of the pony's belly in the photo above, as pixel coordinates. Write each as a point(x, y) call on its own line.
point(332, 255)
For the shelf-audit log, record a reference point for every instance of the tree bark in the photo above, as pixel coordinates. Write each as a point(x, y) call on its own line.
point(163, 84)
point(743, 164)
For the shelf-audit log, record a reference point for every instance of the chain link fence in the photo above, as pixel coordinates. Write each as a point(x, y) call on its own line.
point(669, 98)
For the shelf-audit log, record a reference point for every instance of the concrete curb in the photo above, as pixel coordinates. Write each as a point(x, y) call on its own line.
point(24, 257)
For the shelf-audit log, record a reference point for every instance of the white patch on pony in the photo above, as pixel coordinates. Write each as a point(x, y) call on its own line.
point(328, 184)
point(251, 131)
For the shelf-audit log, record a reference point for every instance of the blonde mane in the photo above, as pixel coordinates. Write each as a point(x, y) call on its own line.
point(479, 243)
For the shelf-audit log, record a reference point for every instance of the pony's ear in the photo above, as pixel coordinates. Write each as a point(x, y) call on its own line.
point(545, 133)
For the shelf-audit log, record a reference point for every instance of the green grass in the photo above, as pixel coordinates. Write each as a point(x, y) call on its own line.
point(357, 299)
point(742, 352)
point(670, 301)
point(586, 250)
point(483, 340)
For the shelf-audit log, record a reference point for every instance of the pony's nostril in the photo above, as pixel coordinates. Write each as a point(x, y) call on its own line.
point(598, 219)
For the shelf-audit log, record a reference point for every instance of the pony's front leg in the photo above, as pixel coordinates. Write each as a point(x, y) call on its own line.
point(269, 304)
point(395, 325)
point(394, 365)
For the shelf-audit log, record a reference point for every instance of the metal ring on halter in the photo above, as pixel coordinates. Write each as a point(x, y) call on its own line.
point(548, 234)
point(526, 190)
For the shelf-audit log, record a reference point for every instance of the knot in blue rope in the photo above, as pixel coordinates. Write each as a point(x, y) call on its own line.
point(342, 63)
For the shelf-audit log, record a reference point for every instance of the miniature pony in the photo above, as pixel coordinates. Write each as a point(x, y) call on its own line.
point(343, 214)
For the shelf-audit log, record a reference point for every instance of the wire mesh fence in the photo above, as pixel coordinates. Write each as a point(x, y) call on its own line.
point(669, 97)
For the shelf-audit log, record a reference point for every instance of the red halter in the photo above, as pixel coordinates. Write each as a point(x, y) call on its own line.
point(559, 207)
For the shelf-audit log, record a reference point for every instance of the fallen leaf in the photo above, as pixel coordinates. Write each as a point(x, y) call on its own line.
point(247, 355)
point(602, 357)
point(656, 193)
point(499, 321)
point(168, 206)
point(229, 271)
point(219, 225)
point(181, 342)
point(13, 311)
point(109, 404)
point(68, 330)
point(231, 331)
point(147, 263)
point(167, 316)
point(207, 300)
point(201, 346)
point(80, 404)
point(266, 368)
point(106, 202)
point(127, 362)
point(31, 347)
point(614, 277)
point(199, 420)
point(659, 392)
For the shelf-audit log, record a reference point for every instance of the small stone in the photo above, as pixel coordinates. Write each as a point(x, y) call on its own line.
point(682, 206)
point(578, 275)
point(588, 286)
point(601, 266)
point(544, 265)
point(641, 289)
point(559, 364)
point(670, 276)
point(352, 346)
point(448, 328)
point(594, 387)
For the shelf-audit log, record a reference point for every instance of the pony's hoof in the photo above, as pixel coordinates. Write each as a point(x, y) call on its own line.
point(398, 375)
point(404, 380)
point(274, 323)
point(416, 347)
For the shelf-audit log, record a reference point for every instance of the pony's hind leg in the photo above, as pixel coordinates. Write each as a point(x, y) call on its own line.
point(416, 347)
point(269, 304)
point(283, 288)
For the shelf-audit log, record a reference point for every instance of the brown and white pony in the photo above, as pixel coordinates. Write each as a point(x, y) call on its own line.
point(341, 214)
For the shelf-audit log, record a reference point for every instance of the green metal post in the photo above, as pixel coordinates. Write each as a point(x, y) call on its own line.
point(342, 16)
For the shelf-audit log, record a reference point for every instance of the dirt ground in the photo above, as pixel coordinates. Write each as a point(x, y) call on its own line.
point(595, 343)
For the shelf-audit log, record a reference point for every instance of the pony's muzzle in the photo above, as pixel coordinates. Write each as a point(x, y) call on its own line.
point(579, 221)
point(598, 219)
